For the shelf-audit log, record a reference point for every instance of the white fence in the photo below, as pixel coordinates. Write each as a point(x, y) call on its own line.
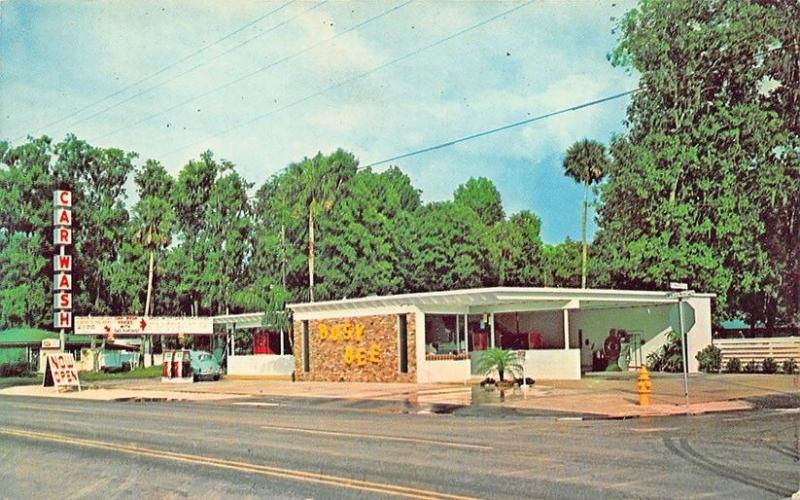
point(777, 348)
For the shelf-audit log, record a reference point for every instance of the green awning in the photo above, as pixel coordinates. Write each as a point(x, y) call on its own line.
point(24, 337)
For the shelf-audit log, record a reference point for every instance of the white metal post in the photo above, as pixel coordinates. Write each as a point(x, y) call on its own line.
point(281, 341)
point(466, 334)
point(491, 328)
point(566, 329)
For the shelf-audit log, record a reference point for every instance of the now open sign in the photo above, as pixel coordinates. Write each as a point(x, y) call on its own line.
point(60, 371)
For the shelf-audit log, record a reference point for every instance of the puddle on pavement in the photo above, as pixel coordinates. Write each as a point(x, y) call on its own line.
point(483, 396)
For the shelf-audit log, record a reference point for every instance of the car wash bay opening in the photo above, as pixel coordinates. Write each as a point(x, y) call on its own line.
point(440, 336)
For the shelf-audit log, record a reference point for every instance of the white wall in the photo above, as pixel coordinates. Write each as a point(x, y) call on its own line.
point(443, 371)
point(700, 335)
point(261, 364)
point(553, 364)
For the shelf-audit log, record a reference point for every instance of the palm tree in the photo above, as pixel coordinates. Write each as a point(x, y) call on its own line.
point(317, 186)
point(496, 359)
point(587, 163)
point(154, 220)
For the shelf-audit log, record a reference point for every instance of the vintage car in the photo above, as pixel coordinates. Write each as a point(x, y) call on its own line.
point(205, 366)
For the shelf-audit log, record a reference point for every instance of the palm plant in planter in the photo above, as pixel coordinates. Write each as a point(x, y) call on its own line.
point(496, 359)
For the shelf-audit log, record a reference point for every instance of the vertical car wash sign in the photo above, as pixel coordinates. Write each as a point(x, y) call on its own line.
point(62, 262)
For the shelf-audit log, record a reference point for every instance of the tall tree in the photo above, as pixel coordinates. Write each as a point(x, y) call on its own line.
point(586, 162)
point(448, 249)
point(361, 249)
point(26, 186)
point(711, 155)
point(190, 200)
point(153, 217)
point(316, 185)
point(228, 226)
point(97, 178)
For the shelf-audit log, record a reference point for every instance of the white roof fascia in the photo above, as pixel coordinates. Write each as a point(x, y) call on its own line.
point(488, 296)
point(354, 312)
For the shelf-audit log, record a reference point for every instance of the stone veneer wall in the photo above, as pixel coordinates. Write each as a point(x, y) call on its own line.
point(327, 356)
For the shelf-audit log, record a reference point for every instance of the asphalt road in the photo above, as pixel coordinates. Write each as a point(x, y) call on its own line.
point(296, 448)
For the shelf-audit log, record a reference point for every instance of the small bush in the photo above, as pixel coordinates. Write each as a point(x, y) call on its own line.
point(769, 365)
point(710, 359)
point(16, 369)
point(751, 366)
point(734, 366)
point(789, 366)
point(669, 358)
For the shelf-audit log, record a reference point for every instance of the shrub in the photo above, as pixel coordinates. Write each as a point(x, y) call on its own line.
point(751, 366)
point(789, 366)
point(734, 366)
point(15, 369)
point(669, 358)
point(710, 359)
point(496, 359)
point(769, 365)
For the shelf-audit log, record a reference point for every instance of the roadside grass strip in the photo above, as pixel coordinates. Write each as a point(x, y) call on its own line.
point(311, 477)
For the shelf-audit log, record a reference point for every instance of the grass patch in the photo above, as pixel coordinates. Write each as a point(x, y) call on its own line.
point(14, 381)
point(139, 373)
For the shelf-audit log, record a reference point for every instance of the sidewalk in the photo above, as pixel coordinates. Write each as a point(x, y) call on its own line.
point(602, 396)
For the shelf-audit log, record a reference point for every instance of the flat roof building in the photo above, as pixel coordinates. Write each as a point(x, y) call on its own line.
point(440, 336)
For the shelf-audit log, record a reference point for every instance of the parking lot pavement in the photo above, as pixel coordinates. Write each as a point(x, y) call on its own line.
point(610, 396)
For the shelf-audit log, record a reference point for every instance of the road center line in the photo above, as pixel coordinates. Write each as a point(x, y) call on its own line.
point(378, 437)
point(46, 408)
point(311, 477)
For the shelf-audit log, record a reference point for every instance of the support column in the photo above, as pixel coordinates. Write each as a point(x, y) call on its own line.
point(466, 334)
point(491, 329)
point(282, 352)
point(566, 329)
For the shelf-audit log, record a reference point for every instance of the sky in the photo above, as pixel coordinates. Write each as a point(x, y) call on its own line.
point(263, 84)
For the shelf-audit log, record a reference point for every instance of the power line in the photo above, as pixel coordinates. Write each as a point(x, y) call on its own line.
point(162, 70)
point(504, 127)
point(203, 63)
point(356, 77)
point(259, 70)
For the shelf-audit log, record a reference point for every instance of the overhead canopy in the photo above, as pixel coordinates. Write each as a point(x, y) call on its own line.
point(498, 299)
point(24, 337)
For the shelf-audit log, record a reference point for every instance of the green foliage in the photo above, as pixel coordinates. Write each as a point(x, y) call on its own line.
point(482, 196)
point(789, 366)
point(448, 249)
point(769, 365)
point(586, 162)
point(669, 358)
point(734, 365)
point(710, 359)
point(562, 264)
point(704, 187)
point(496, 359)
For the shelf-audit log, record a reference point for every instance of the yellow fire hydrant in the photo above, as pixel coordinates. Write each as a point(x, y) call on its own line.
point(644, 386)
